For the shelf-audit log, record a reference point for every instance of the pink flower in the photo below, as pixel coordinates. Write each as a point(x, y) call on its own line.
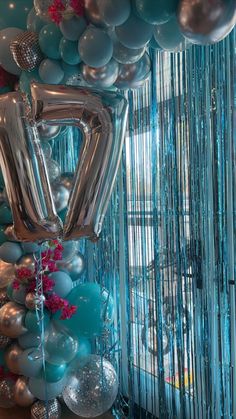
point(16, 284)
point(24, 273)
point(78, 6)
point(57, 254)
point(52, 267)
point(55, 11)
point(68, 311)
point(55, 303)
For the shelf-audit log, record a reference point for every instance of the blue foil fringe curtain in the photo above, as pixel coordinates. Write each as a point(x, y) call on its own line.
point(167, 251)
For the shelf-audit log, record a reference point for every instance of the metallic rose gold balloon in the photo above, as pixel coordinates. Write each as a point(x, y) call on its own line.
point(31, 300)
point(22, 395)
point(7, 273)
point(12, 318)
point(10, 233)
point(92, 13)
point(12, 355)
point(206, 21)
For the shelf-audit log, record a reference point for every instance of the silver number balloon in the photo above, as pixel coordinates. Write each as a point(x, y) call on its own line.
point(24, 172)
point(102, 120)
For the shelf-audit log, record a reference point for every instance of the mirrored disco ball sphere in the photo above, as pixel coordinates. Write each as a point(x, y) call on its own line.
point(92, 389)
point(39, 410)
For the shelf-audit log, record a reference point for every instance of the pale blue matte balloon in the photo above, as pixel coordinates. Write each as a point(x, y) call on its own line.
point(31, 362)
point(72, 29)
point(49, 40)
point(5, 214)
point(19, 295)
point(34, 23)
point(156, 11)
point(95, 47)
point(10, 252)
point(30, 247)
point(6, 59)
point(50, 71)
point(69, 52)
point(169, 36)
point(134, 33)
point(27, 340)
point(45, 391)
point(114, 12)
point(63, 283)
point(32, 324)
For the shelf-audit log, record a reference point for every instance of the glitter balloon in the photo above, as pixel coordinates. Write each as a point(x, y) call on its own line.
point(92, 389)
point(39, 410)
point(7, 393)
point(26, 51)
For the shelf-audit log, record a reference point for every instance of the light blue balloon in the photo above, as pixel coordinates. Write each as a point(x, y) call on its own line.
point(49, 40)
point(45, 391)
point(29, 340)
point(114, 12)
point(169, 36)
point(134, 33)
point(54, 373)
point(3, 237)
point(10, 252)
point(31, 321)
point(5, 214)
point(63, 283)
point(69, 52)
point(31, 362)
point(153, 44)
point(34, 23)
point(95, 47)
point(73, 28)
point(6, 58)
point(19, 295)
point(14, 13)
point(26, 78)
point(51, 71)
point(30, 247)
point(156, 11)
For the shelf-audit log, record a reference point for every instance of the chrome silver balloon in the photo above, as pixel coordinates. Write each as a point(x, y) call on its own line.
point(206, 21)
point(102, 119)
point(134, 75)
point(61, 196)
point(102, 77)
point(93, 14)
point(12, 317)
point(48, 132)
point(23, 167)
point(22, 395)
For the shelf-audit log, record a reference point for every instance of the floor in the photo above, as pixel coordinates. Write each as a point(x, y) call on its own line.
point(20, 413)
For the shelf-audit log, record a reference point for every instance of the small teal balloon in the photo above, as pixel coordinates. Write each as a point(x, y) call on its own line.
point(26, 78)
point(34, 23)
point(5, 214)
point(95, 47)
point(3, 237)
point(29, 340)
point(73, 28)
point(31, 362)
point(49, 40)
point(169, 36)
point(54, 373)
point(10, 252)
point(87, 321)
point(63, 283)
point(62, 214)
point(156, 11)
point(134, 33)
point(14, 13)
point(114, 12)
point(45, 391)
point(50, 71)
point(32, 324)
point(19, 295)
point(6, 59)
point(30, 247)
point(69, 52)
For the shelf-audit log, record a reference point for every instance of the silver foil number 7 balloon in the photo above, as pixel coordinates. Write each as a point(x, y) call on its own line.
point(102, 120)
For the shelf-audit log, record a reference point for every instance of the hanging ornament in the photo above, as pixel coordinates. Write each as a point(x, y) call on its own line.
point(26, 51)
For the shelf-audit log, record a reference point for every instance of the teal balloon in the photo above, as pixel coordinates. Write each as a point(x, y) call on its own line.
point(30, 247)
point(49, 40)
point(26, 78)
point(29, 340)
point(5, 89)
point(6, 58)
point(154, 44)
point(114, 12)
point(45, 391)
point(31, 321)
point(156, 11)
point(85, 349)
point(169, 36)
point(69, 52)
point(14, 13)
point(3, 237)
point(62, 214)
point(95, 47)
point(10, 292)
point(134, 33)
point(73, 28)
point(54, 373)
point(34, 23)
point(10, 252)
point(5, 214)
point(19, 295)
point(2, 359)
point(2, 184)
point(63, 283)
point(31, 362)
point(51, 71)
point(87, 321)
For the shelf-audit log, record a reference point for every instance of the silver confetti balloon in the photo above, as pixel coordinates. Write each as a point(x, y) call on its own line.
point(39, 410)
point(4, 341)
point(91, 389)
point(7, 393)
point(26, 51)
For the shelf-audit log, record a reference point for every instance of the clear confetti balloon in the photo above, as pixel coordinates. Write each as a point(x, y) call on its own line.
point(39, 410)
point(92, 389)
point(7, 393)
